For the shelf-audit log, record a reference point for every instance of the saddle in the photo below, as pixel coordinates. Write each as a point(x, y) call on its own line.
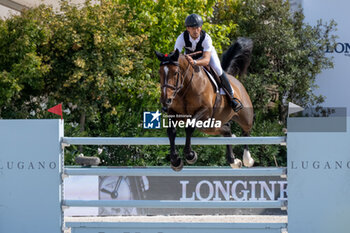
point(216, 82)
point(213, 77)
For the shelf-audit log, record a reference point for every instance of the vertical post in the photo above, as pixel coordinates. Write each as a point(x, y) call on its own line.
point(318, 175)
point(30, 176)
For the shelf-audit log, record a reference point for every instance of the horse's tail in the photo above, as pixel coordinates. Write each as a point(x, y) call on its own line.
point(236, 59)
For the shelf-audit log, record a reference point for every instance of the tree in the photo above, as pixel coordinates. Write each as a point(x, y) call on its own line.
point(288, 53)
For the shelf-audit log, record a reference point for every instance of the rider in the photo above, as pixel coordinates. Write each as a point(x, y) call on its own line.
point(195, 39)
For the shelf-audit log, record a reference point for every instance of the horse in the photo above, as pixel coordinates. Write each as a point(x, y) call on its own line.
point(186, 91)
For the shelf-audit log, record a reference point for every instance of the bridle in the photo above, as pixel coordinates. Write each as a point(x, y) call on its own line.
point(180, 79)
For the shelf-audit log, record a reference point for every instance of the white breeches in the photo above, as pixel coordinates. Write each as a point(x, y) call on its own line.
point(215, 62)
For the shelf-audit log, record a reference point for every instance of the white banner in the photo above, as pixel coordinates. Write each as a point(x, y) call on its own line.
point(333, 83)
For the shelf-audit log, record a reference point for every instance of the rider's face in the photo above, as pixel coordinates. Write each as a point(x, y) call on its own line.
point(194, 31)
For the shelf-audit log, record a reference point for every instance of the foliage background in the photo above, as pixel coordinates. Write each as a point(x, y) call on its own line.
point(98, 60)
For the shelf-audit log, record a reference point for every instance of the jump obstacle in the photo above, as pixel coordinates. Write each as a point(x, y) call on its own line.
point(32, 174)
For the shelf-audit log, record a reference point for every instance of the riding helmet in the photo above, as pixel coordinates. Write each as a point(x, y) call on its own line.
point(193, 20)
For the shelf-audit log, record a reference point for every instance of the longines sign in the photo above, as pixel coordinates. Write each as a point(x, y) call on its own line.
point(339, 48)
point(238, 190)
point(187, 188)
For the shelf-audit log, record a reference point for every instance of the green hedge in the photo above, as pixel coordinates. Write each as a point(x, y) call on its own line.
point(98, 60)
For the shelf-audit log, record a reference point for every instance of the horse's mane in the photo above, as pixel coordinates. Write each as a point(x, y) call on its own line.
point(182, 60)
point(183, 63)
point(236, 59)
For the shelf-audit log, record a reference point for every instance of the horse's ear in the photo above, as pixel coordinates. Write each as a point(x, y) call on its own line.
point(175, 55)
point(159, 55)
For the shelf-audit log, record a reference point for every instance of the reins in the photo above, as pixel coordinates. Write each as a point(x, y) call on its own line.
point(177, 88)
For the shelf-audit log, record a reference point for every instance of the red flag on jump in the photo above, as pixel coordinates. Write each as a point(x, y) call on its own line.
point(56, 110)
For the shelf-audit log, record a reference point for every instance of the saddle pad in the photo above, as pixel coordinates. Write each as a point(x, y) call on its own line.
point(211, 78)
point(222, 92)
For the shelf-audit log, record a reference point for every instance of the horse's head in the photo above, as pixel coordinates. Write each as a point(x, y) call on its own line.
point(170, 77)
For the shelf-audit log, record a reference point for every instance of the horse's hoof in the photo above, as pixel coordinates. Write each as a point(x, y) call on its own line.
point(178, 167)
point(237, 163)
point(248, 161)
point(194, 157)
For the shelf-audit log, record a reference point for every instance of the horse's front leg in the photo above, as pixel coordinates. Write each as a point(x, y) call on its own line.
point(175, 161)
point(190, 155)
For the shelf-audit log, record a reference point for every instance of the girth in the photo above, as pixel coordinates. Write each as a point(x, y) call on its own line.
point(216, 86)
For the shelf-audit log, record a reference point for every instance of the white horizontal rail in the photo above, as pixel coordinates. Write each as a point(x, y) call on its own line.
point(174, 204)
point(179, 141)
point(115, 171)
point(177, 226)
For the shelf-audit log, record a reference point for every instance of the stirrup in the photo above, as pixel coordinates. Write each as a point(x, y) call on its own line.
point(239, 105)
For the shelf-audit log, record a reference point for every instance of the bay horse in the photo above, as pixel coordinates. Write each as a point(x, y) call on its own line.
point(187, 91)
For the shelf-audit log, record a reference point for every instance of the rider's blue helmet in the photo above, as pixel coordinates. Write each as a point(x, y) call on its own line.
point(193, 20)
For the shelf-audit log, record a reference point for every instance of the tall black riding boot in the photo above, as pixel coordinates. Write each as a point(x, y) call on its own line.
point(235, 103)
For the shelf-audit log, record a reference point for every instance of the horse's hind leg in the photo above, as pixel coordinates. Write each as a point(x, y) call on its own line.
point(230, 156)
point(245, 121)
point(190, 155)
point(248, 161)
point(176, 162)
